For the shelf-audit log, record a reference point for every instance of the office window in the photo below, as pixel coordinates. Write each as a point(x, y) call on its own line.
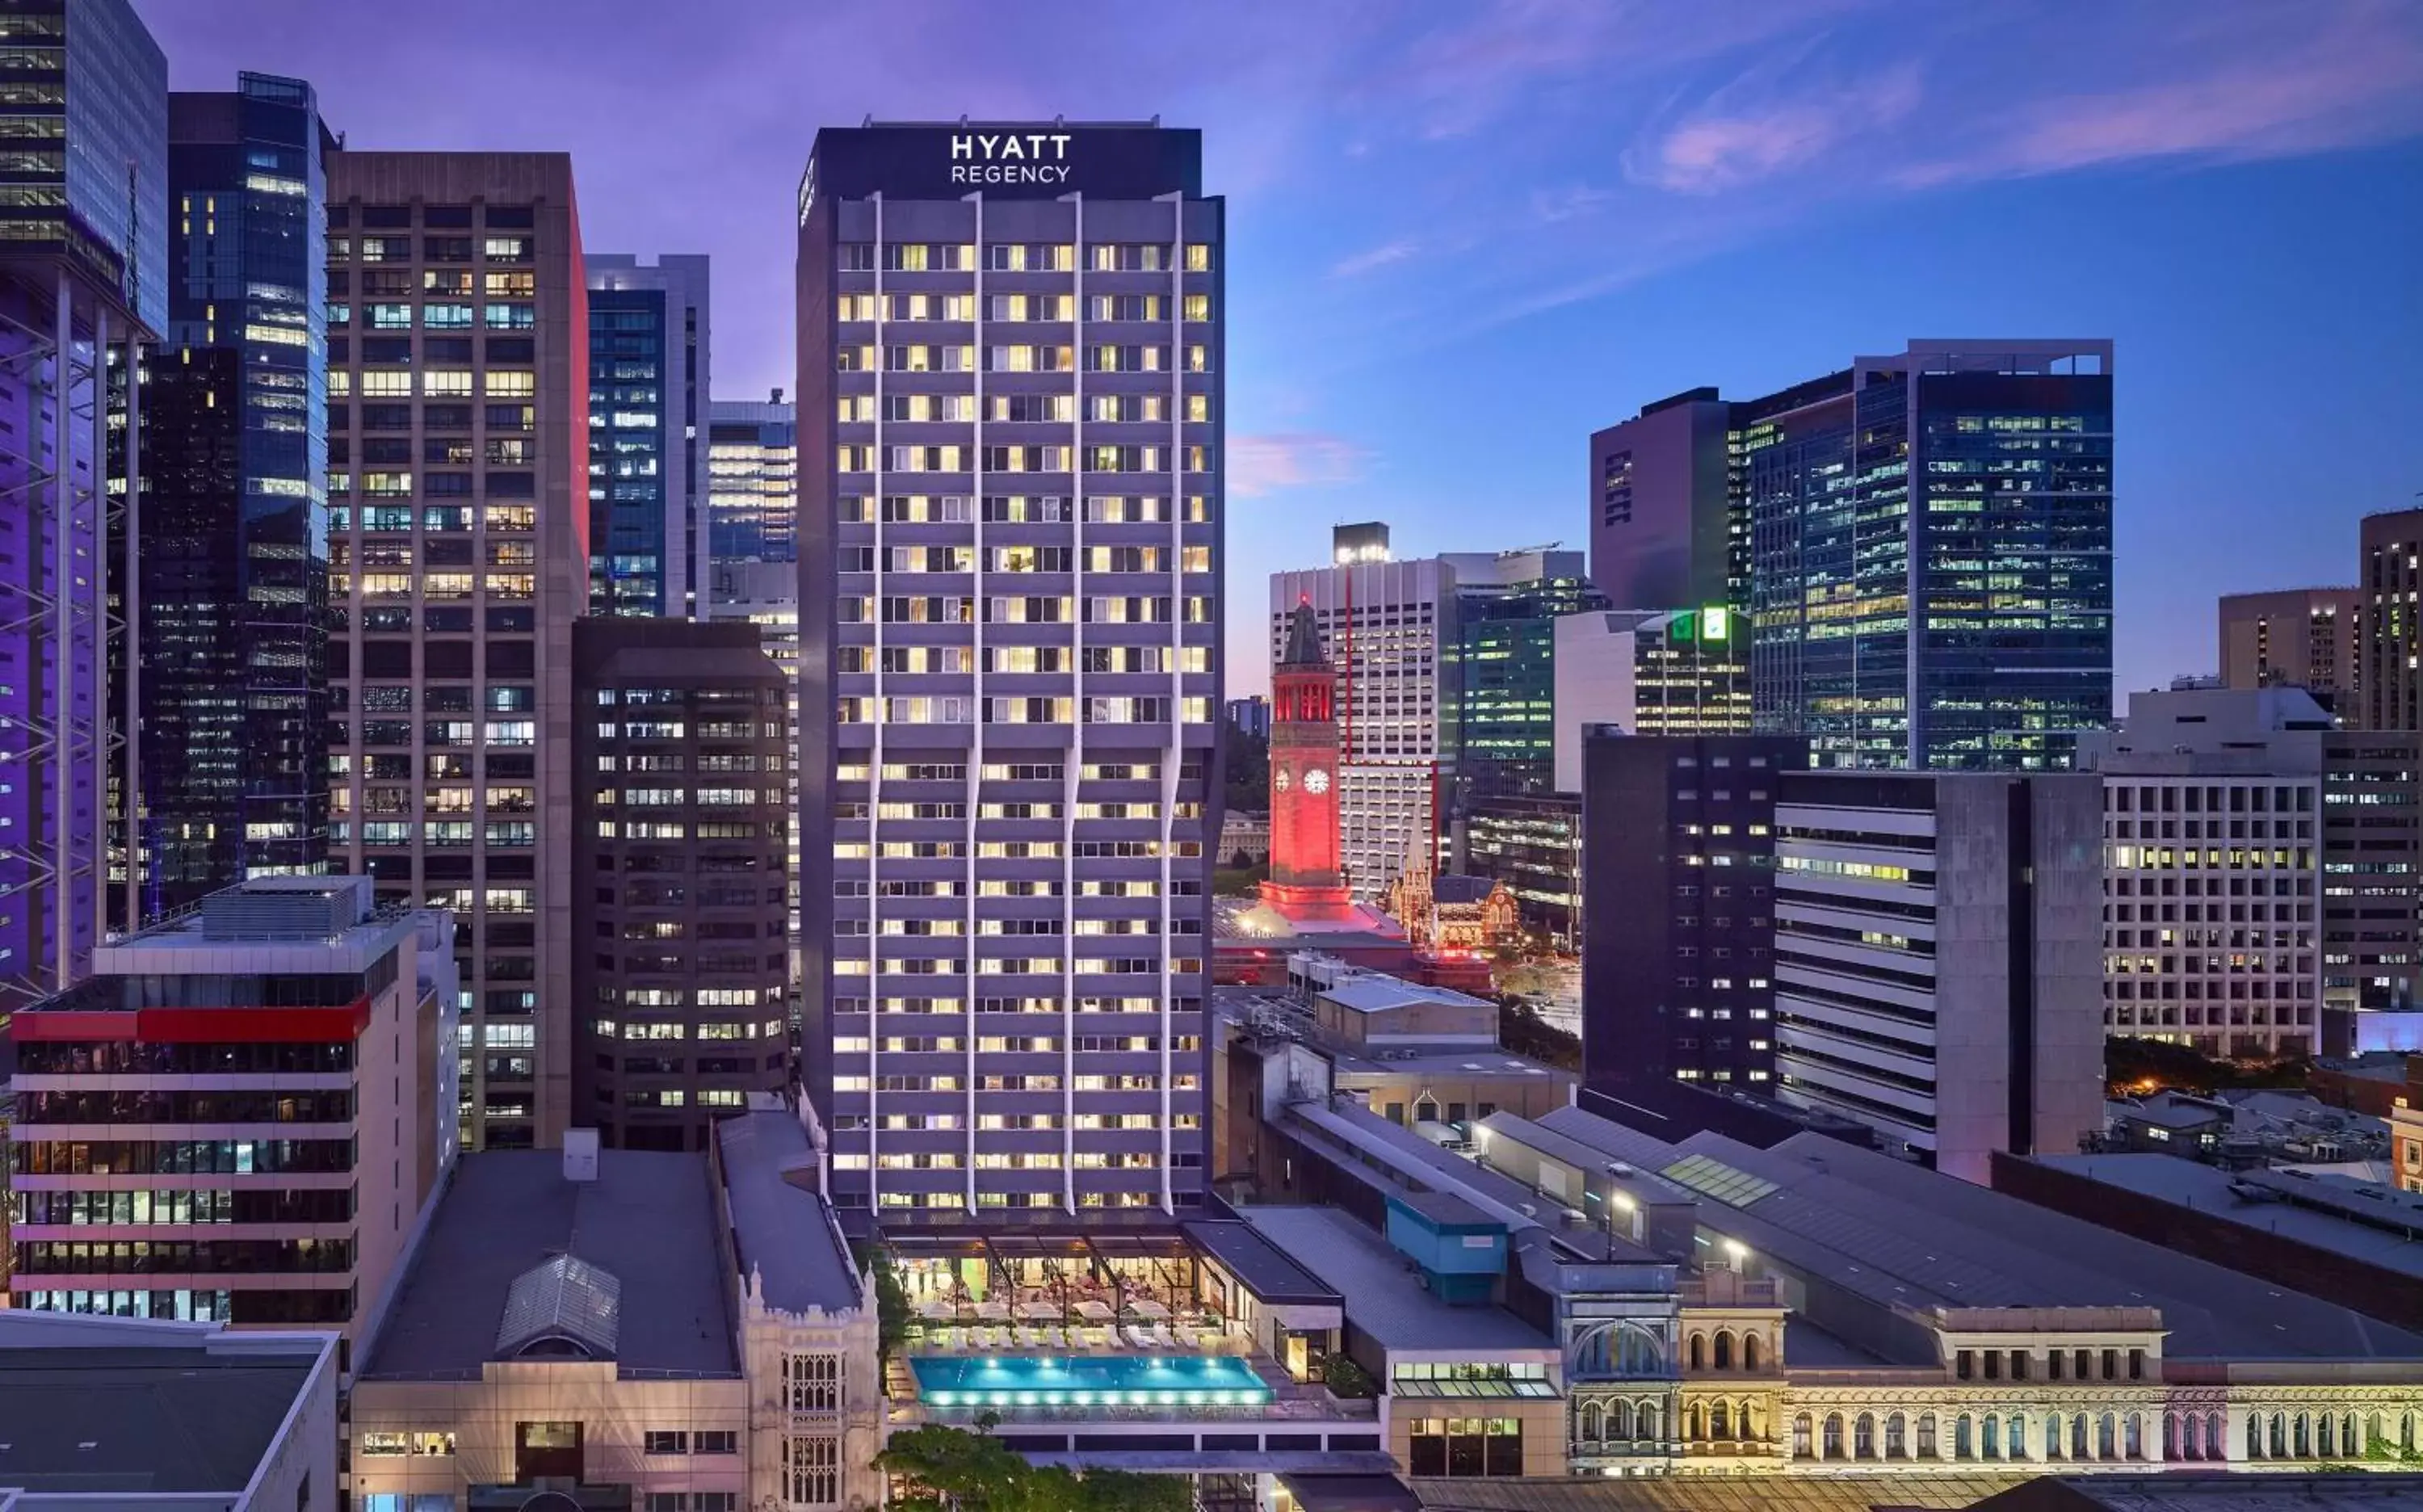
point(662, 1441)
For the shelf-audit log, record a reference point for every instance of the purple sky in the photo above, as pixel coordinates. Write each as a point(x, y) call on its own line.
point(1464, 234)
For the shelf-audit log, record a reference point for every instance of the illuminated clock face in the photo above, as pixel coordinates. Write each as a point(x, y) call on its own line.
point(1279, 779)
point(1316, 781)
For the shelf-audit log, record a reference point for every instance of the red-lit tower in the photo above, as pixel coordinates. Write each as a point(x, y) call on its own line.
point(1306, 882)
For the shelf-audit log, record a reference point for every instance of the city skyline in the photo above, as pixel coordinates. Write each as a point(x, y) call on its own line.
point(1742, 200)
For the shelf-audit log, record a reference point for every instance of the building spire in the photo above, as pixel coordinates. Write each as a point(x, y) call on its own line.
point(1304, 648)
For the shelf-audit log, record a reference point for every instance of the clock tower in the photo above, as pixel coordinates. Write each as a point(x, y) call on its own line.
point(1305, 883)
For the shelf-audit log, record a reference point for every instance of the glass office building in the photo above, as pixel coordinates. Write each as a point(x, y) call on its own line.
point(233, 572)
point(1932, 560)
point(647, 452)
point(83, 147)
point(1500, 708)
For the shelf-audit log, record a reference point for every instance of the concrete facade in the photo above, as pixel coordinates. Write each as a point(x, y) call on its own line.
point(1938, 960)
point(2309, 638)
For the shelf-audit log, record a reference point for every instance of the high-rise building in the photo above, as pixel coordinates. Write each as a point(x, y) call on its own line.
point(1010, 363)
point(2309, 638)
point(681, 825)
point(82, 260)
point(1938, 958)
point(752, 464)
point(2261, 867)
point(285, 1006)
point(1251, 715)
point(1669, 493)
point(2390, 674)
point(458, 453)
point(649, 503)
point(1387, 625)
point(1677, 883)
point(232, 596)
point(1364, 542)
point(1931, 559)
point(1684, 672)
point(1532, 842)
point(1501, 710)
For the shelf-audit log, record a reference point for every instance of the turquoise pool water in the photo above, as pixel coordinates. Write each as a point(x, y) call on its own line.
point(1020, 1380)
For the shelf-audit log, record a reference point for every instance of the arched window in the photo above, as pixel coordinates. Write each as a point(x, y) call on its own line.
point(1724, 1348)
point(1695, 1416)
point(1746, 1423)
point(2325, 1436)
point(2350, 1446)
point(1618, 1421)
point(1990, 1436)
point(1926, 1436)
point(2078, 1436)
point(2170, 1446)
point(1863, 1440)
point(1896, 1443)
point(1637, 1352)
point(1592, 1421)
point(1590, 1353)
point(1751, 1349)
point(2106, 1437)
point(1649, 1422)
point(2373, 1437)
point(2052, 1435)
point(1721, 1420)
point(1962, 1445)
point(2018, 1444)
point(1800, 1431)
point(1834, 1435)
point(2279, 1436)
point(2216, 1437)
point(1699, 1351)
point(2304, 1440)
point(2132, 1437)
point(2254, 1435)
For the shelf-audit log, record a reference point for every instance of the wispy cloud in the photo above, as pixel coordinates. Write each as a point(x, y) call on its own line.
point(1259, 465)
point(2356, 80)
point(1767, 121)
point(1373, 259)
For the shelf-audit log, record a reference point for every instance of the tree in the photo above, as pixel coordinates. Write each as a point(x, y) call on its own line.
point(949, 1470)
point(1247, 776)
point(891, 1297)
point(1521, 1029)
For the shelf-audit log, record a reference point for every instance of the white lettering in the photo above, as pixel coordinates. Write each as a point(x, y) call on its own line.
point(989, 144)
point(962, 147)
point(1060, 141)
point(1010, 147)
point(1009, 173)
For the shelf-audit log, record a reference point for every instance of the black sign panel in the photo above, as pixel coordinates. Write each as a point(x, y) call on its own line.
point(1006, 161)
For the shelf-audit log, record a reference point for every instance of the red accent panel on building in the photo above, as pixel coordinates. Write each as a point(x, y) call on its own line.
point(201, 1026)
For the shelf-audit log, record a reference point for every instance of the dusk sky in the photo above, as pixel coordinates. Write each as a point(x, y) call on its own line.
point(1461, 236)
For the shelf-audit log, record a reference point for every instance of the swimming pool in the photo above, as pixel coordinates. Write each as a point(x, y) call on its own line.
point(1022, 1380)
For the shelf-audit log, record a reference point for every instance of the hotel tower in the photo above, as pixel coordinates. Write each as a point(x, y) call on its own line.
point(1010, 547)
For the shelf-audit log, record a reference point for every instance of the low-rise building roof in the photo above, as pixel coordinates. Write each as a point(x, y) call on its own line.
point(139, 1408)
point(647, 1220)
point(1384, 1292)
point(782, 1226)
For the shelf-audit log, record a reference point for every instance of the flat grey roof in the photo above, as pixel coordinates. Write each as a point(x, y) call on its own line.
point(1377, 994)
point(648, 1221)
point(1407, 1157)
point(1384, 1295)
point(1259, 1266)
point(1445, 1207)
point(2207, 1189)
point(1901, 1236)
point(161, 1421)
point(779, 1223)
point(1436, 1060)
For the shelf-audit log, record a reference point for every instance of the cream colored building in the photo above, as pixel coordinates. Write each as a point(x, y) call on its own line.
point(676, 1325)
